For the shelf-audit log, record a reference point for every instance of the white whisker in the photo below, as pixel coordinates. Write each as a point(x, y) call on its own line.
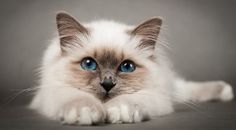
point(20, 92)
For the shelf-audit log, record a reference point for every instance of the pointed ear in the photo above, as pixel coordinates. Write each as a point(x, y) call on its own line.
point(148, 31)
point(69, 31)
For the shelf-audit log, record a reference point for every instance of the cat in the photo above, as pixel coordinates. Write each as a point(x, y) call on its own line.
point(105, 71)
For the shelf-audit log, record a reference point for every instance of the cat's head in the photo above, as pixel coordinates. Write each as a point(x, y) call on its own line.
point(107, 58)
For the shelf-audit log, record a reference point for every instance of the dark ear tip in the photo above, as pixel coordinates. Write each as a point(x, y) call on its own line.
point(62, 14)
point(157, 20)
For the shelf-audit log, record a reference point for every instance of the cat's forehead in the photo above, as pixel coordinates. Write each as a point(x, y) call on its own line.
point(109, 43)
point(108, 32)
point(108, 57)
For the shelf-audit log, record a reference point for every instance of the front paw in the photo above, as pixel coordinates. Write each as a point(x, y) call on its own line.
point(82, 112)
point(124, 112)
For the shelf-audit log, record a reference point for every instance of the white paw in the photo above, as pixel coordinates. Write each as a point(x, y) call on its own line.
point(125, 113)
point(82, 113)
point(226, 93)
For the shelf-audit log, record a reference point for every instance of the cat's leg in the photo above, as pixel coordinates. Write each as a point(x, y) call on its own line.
point(203, 91)
point(131, 108)
point(69, 105)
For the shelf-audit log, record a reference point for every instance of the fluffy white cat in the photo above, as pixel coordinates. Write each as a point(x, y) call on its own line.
point(106, 71)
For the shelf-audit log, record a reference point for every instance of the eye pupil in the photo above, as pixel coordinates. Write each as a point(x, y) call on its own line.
point(88, 64)
point(127, 66)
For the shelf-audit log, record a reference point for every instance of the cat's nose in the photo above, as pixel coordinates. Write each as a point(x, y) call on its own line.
point(107, 84)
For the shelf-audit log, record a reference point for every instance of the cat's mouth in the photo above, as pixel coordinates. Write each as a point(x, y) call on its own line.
point(104, 97)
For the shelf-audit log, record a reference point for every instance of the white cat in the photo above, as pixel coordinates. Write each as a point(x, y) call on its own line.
point(106, 71)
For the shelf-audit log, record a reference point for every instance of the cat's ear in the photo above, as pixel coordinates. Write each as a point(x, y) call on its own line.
point(148, 31)
point(69, 31)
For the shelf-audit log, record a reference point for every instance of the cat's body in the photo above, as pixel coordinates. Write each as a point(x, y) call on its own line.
point(125, 78)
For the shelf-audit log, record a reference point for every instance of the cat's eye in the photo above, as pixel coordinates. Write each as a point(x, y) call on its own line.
point(127, 66)
point(88, 63)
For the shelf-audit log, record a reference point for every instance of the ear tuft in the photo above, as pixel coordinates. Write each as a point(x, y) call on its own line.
point(148, 31)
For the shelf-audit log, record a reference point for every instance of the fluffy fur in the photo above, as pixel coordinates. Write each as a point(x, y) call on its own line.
point(74, 96)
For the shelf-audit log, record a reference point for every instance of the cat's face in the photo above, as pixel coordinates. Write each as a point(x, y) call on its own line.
point(107, 60)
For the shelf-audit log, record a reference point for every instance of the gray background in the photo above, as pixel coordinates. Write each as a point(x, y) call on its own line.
point(201, 33)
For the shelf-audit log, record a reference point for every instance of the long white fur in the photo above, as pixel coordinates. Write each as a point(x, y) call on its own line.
point(155, 100)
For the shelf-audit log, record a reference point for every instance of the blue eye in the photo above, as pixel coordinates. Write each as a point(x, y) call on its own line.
point(88, 64)
point(127, 66)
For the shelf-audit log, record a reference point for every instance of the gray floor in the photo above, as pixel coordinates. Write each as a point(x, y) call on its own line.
point(209, 116)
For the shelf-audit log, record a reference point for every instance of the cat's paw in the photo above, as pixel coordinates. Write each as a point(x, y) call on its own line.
point(124, 112)
point(82, 112)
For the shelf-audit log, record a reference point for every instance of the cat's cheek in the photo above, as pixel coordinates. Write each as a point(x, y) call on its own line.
point(118, 112)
